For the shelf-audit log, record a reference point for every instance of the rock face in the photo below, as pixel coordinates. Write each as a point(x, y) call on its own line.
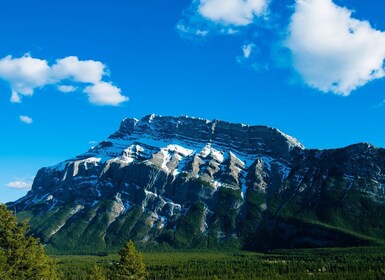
point(187, 182)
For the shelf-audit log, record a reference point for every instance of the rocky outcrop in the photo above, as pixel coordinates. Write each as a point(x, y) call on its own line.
point(189, 182)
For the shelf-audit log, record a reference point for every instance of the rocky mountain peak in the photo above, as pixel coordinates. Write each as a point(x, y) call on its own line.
point(127, 125)
point(191, 182)
point(245, 138)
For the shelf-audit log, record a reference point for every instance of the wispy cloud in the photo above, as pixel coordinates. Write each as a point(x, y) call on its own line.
point(332, 51)
point(247, 49)
point(248, 52)
point(66, 88)
point(379, 105)
point(26, 119)
point(20, 184)
point(26, 74)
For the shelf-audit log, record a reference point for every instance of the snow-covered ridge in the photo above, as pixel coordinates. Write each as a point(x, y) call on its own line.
point(173, 159)
point(251, 139)
point(201, 129)
point(173, 139)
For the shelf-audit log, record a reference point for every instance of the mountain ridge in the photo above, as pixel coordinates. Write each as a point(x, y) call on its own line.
point(187, 182)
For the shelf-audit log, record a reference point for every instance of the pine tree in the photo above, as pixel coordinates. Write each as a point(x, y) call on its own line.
point(131, 265)
point(21, 256)
point(97, 273)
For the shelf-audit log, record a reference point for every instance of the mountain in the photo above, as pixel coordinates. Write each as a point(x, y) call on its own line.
point(186, 182)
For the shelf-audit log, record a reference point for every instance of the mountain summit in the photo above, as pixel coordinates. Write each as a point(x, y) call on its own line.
point(187, 182)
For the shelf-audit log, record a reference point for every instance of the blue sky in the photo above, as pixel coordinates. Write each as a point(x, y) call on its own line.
point(71, 70)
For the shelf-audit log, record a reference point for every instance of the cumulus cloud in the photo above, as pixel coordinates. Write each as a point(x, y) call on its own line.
point(331, 50)
point(232, 12)
point(26, 74)
point(25, 119)
point(220, 16)
point(103, 93)
point(20, 184)
point(86, 71)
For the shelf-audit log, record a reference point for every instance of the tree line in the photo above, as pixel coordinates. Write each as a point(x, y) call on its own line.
point(23, 257)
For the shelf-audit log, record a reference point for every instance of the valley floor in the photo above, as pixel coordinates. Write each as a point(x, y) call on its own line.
point(335, 263)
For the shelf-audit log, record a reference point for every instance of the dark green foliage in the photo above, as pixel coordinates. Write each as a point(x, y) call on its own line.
point(97, 273)
point(140, 229)
point(350, 263)
point(183, 175)
point(49, 221)
point(21, 256)
point(85, 232)
point(251, 215)
point(187, 232)
point(279, 233)
point(131, 265)
point(323, 211)
point(203, 182)
point(81, 267)
point(70, 238)
point(122, 228)
point(226, 208)
point(255, 197)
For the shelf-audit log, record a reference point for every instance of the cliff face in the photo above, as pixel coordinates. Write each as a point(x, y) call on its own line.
point(189, 182)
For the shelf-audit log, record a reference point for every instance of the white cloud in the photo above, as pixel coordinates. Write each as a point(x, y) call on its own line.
point(67, 88)
point(252, 57)
point(202, 32)
point(247, 49)
point(232, 12)
point(20, 184)
point(25, 74)
point(219, 17)
point(86, 71)
point(332, 51)
point(26, 119)
point(184, 29)
point(103, 93)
